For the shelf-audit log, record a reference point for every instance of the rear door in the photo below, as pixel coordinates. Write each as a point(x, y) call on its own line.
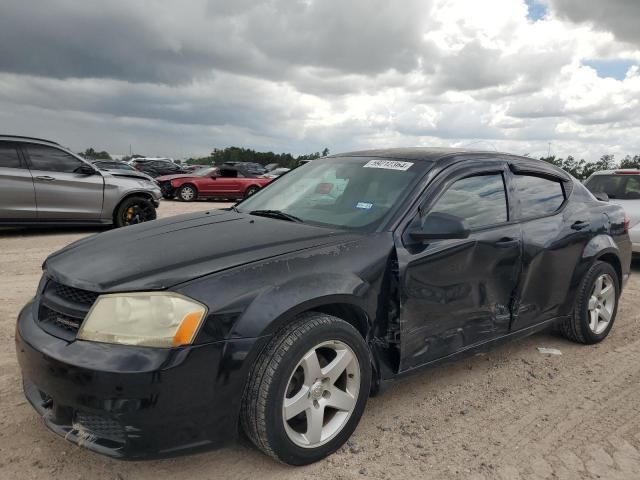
point(458, 293)
point(17, 194)
point(61, 192)
point(554, 234)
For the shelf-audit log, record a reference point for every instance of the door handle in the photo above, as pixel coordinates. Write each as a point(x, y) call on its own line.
point(46, 178)
point(507, 242)
point(580, 225)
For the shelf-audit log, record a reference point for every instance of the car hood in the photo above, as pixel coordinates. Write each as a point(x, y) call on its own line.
point(129, 174)
point(166, 178)
point(163, 253)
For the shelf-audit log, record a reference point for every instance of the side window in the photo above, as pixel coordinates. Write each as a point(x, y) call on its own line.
point(538, 196)
point(632, 188)
point(51, 159)
point(9, 156)
point(480, 200)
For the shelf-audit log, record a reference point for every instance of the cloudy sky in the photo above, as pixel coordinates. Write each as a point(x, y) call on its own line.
point(180, 78)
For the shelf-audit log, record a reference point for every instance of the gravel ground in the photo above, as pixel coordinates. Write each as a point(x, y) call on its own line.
point(508, 414)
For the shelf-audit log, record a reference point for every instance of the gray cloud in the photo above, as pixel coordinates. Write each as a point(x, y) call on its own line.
point(619, 17)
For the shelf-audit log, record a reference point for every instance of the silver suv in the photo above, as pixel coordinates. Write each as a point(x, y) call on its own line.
point(44, 183)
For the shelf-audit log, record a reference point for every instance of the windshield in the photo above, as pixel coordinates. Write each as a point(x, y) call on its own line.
point(621, 187)
point(350, 192)
point(204, 172)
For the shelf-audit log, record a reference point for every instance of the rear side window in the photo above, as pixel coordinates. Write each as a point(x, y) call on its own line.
point(538, 196)
point(621, 187)
point(9, 156)
point(51, 159)
point(480, 200)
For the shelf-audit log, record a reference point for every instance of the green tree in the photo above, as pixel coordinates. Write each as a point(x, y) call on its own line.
point(630, 162)
point(91, 154)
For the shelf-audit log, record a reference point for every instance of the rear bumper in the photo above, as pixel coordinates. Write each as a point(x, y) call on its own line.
point(133, 402)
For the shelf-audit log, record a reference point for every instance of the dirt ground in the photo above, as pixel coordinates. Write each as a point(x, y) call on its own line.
point(508, 414)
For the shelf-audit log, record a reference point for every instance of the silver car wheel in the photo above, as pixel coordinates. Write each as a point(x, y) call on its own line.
point(187, 193)
point(602, 303)
point(321, 394)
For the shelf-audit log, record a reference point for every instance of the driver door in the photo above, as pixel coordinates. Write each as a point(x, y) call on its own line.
point(457, 293)
point(62, 194)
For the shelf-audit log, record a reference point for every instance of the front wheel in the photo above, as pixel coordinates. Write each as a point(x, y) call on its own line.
point(187, 193)
point(307, 390)
point(251, 191)
point(596, 306)
point(134, 210)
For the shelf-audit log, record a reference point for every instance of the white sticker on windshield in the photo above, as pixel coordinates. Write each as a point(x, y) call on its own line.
point(364, 205)
point(388, 164)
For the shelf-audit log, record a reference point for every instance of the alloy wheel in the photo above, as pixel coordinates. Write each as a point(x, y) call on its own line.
point(187, 193)
point(602, 303)
point(137, 214)
point(321, 394)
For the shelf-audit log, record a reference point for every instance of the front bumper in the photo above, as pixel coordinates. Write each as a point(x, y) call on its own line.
point(134, 402)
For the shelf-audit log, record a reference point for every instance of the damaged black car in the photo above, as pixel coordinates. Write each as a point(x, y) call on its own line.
point(279, 317)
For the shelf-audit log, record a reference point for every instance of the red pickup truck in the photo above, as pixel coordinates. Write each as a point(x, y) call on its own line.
point(219, 183)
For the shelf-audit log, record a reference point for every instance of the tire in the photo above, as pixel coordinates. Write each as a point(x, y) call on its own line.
point(251, 191)
point(187, 193)
point(594, 304)
point(281, 371)
point(134, 210)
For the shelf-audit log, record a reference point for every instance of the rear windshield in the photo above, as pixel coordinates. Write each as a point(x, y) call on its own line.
point(622, 187)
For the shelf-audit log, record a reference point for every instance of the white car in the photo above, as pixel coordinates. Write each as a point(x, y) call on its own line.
point(621, 187)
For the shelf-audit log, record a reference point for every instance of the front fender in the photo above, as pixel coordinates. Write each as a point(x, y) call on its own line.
point(274, 307)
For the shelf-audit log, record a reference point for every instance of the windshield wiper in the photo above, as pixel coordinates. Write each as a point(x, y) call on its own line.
point(276, 214)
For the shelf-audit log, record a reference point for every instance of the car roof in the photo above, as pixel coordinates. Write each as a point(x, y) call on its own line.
point(430, 154)
point(20, 138)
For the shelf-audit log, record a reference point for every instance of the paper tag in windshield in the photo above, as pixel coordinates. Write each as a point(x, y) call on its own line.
point(388, 165)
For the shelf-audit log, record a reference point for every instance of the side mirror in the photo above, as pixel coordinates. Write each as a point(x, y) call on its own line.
point(440, 226)
point(602, 196)
point(85, 169)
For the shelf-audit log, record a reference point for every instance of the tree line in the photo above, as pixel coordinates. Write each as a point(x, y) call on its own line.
point(581, 169)
point(238, 154)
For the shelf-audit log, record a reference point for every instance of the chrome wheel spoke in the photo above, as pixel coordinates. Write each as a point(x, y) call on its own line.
point(605, 315)
point(593, 320)
point(340, 400)
point(297, 404)
point(315, 422)
point(597, 288)
point(608, 293)
point(338, 365)
point(593, 302)
point(311, 367)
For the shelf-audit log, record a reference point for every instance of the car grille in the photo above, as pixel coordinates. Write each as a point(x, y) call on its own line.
point(75, 294)
point(101, 427)
point(63, 308)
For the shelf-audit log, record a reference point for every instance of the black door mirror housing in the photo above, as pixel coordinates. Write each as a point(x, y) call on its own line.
point(440, 226)
point(85, 169)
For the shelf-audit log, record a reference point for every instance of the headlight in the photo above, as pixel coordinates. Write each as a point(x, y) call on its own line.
point(153, 319)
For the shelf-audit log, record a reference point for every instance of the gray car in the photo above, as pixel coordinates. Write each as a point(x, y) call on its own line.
point(42, 182)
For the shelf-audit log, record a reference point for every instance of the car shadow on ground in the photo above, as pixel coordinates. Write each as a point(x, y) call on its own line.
point(7, 232)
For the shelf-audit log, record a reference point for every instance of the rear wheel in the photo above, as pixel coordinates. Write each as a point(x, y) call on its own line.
point(250, 191)
point(596, 306)
point(187, 193)
point(134, 210)
point(307, 390)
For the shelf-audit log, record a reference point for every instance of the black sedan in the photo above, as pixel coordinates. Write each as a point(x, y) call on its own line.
point(280, 316)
